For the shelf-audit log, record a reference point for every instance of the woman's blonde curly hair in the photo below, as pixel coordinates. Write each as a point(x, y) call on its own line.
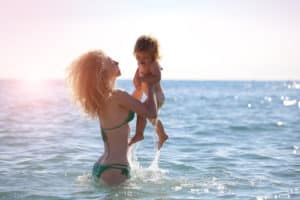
point(87, 79)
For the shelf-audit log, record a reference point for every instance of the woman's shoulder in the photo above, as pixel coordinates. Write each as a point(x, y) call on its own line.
point(119, 94)
point(121, 98)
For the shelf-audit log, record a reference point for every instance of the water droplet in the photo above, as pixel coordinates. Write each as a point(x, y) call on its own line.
point(289, 102)
point(269, 99)
point(177, 188)
point(279, 123)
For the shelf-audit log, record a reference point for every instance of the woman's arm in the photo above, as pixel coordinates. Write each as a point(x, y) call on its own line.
point(136, 80)
point(137, 93)
point(146, 109)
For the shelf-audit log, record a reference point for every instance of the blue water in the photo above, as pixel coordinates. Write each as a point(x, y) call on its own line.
point(227, 140)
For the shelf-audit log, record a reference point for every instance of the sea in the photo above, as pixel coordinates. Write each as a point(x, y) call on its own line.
point(232, 140)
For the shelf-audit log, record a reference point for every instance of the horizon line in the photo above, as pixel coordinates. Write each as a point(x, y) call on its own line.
point(127, 79)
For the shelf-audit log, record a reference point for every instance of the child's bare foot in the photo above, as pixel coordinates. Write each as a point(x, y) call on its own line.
point(162, 140)
point(135, 139)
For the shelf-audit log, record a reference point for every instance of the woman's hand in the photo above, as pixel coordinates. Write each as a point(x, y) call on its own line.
point(149, 85)
point(137, 80)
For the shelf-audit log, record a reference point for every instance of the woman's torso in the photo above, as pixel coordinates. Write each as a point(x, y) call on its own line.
point(116, 138)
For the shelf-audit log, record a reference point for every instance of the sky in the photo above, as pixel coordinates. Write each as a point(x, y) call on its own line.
point(203, 40)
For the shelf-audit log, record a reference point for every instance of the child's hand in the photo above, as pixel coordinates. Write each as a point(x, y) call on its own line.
point(141, 72)
point(155, 65)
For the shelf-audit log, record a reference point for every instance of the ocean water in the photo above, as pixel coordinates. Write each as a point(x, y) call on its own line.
point(227, 140)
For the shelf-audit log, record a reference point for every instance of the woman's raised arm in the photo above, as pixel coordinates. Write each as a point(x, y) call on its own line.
point(146, 109)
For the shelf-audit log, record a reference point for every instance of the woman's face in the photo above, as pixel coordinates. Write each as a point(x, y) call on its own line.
point(112, 68)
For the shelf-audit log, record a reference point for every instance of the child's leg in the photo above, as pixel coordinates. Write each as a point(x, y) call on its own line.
point(139, 132)
point(162, 136)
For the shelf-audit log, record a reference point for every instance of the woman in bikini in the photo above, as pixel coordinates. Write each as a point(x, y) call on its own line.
point(92, 78)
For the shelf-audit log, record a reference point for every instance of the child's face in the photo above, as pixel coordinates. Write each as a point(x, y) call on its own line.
point(144, 59)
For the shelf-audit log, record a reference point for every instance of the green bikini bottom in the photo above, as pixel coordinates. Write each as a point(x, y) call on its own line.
point(99, 169)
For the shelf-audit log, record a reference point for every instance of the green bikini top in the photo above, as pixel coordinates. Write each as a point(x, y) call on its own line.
point(129, 118)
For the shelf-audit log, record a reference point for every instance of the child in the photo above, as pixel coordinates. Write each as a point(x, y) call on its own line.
point(146, 51)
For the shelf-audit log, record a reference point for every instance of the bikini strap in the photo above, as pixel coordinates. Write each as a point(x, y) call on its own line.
point(124, 168)
point(128, 119)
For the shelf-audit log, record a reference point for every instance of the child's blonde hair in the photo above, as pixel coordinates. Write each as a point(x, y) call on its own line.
point(149, 44)
point(88, 81)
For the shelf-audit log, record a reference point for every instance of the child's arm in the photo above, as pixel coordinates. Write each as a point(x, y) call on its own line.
point(155, 75)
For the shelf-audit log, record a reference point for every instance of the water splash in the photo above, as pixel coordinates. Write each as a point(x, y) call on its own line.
point(85, 179)
point(152, 173)
point(132, 157)
point(154, 165)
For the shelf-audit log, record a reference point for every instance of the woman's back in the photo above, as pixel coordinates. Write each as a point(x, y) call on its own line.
point(115, 131)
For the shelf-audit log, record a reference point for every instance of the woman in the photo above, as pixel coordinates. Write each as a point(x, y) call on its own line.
point(92, 78)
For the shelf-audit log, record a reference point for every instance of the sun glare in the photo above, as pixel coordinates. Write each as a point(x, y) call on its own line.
point(34, 76)
point(33, 80)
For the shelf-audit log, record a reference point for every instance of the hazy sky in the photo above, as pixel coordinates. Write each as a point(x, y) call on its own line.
point(225, 39)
